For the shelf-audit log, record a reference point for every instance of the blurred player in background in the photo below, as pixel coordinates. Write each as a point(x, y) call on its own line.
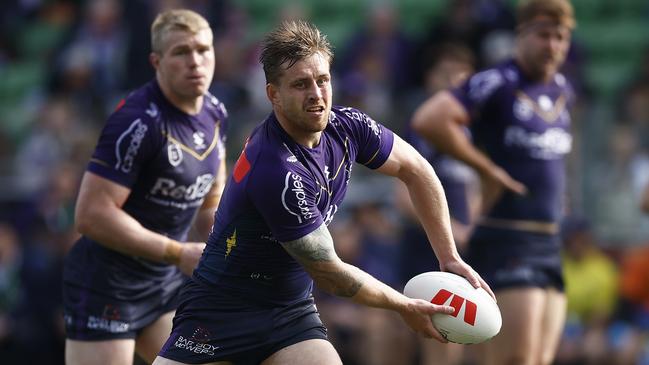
point(250, 299)
point(158, 167)
point(450, 64)
point(518, 113)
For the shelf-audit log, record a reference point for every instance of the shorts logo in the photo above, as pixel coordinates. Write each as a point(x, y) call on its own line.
point(293, 185)
point(456, 302)
point(133, 136)
point(175, 154)
point(109, 321)
point(196, 346)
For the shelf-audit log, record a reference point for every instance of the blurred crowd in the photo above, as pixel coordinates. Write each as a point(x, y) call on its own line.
point(65, 64)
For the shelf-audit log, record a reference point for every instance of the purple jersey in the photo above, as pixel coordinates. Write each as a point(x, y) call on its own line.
point(524, 127)
point(281, 191)
point(169, 160)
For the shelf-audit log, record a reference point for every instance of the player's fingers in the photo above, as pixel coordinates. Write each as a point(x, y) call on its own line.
point(516, 187)
point(486, 287)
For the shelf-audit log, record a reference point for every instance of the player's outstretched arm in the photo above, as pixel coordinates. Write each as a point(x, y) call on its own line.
point(315, 252)
point(428, 199)
point(99, 216)
point(440, 119)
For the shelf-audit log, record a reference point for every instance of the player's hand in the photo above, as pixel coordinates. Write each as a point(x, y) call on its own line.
point(189, 256)
point(494, 182)
point(463, 269)
point(417, 315)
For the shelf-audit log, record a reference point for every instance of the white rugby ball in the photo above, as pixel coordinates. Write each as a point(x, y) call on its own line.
point(476, 317)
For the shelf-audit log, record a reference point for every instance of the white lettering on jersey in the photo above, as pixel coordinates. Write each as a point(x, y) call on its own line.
point(548, 145)
point(483, 84)
point(136, 132)
point(354, 114)
point(293, 182)
point(170, 189)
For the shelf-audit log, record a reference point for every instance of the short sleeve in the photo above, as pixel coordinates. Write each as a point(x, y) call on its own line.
point(372, 140)
point(478, 89)
point(125, 145)
point(287, 200)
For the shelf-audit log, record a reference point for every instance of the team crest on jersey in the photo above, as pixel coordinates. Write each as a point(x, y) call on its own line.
point(199, 140)
point(175, 154)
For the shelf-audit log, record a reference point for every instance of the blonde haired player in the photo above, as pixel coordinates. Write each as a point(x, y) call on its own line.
point(157, 172)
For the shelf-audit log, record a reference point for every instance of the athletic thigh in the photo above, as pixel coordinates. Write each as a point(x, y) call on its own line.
point(150, 340)
point(552, 326)
point(110, 352)
point(517, 343)
point(309, 352)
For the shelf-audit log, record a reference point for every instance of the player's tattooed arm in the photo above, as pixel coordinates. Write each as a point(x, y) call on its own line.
point(316, 253)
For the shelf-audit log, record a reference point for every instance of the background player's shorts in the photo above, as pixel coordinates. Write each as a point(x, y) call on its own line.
point(214, 326)
point(510, 258)
point(91, 315)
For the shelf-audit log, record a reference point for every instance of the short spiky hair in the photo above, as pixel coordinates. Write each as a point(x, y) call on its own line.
point(176, 19)
point(560, 11)
point(289, 43)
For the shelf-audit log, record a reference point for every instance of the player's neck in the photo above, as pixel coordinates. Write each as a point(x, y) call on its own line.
point(529, 73)
point(304, 138)
point(191, 106)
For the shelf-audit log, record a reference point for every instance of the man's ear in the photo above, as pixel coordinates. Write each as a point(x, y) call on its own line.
point(154, 59)
point(272, 93)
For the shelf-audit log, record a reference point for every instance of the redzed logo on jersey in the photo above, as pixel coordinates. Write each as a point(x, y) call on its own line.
point(456, 302)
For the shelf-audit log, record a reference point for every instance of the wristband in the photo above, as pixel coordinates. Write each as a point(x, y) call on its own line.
point(172, 252)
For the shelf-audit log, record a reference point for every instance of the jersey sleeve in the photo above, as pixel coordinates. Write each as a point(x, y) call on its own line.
point(286, 197)
point(478, 89)
point(373, 141)
point(125, 145)
point(221, 114)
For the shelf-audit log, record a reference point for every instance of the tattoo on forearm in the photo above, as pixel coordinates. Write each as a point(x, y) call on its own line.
point(315, 252)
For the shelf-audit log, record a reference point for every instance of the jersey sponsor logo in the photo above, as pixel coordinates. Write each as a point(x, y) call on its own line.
point(175, 154)
point(457, 301)
point(168, 188)
point(483, 84)
point(552, 143)
point(133, 136)
point(293, 185)
point(361, 117)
